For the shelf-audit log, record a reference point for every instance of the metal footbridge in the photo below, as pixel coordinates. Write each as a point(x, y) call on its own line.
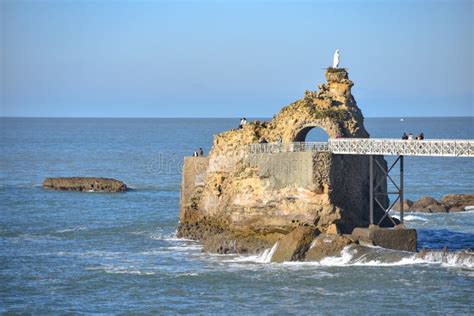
point(376, 146)
point(373, 147)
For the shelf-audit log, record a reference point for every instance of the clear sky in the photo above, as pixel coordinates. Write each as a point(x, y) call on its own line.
point(232, 58)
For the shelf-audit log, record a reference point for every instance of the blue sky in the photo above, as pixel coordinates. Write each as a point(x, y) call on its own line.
point(231, 58)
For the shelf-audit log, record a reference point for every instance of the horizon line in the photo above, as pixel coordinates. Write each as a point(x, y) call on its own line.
point(208, 117)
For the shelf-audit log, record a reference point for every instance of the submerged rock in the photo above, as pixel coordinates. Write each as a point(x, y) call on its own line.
point(89, 184)
point(293, 246)
point(327, 246)
point(463, 258)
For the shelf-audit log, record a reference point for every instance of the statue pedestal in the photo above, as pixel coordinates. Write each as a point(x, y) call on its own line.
point(336, 74)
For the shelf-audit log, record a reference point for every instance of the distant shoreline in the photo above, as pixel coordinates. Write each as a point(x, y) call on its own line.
point(223, 118)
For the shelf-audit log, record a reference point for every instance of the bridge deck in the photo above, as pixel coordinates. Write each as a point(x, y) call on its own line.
point(376, 146)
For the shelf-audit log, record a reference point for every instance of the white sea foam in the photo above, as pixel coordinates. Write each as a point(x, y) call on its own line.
point(68, 230)
point(414, 218)
point(102, 254)
point(187, 274)
point(120, 270)
point(350, 257)
point(165, 237)
point(264, 257)
point(185, 248)
point(451, 259)
point(174, 238)
point(468, 210)
point(411, 217)
point(376, 257)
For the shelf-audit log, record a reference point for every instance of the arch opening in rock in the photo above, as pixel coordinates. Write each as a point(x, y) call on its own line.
point(311, 133)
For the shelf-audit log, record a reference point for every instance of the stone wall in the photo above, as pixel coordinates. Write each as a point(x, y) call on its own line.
point(193, 176)
point(284, 169)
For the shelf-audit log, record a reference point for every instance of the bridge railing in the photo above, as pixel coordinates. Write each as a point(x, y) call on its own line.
point(269, 148)
point(387, 146)
point(375, 146)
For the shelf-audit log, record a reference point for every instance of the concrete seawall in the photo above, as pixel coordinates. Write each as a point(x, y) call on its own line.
point(194, 175)
point(284, 169)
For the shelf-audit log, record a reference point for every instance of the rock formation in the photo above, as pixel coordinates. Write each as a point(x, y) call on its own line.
point(457, 202)
point(239, 201)
point(450, 203)
point(85, 184)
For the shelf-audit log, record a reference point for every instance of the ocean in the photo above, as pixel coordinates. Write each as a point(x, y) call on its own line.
point(116, 253)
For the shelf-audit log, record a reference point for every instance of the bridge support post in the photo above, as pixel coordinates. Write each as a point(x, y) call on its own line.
point(401, 190)
point(371, 184)
point(375, 194)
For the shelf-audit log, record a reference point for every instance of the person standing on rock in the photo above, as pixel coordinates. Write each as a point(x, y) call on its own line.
point(243, 121)
point(201, 152)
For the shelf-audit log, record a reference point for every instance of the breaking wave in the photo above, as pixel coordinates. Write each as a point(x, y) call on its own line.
point(264, 257)
point(375, 256)
point(411, 217)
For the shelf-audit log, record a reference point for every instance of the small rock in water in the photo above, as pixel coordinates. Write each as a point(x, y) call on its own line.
point(407, 204)
point(456, 209)
point(90, 184)
point(427, 204)
point(450, 203)
point(458, 202)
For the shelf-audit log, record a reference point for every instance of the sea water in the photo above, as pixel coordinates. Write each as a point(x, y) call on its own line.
point(71, 252)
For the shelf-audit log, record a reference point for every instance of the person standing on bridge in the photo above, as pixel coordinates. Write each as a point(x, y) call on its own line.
point(404, 136)
point(410, 136)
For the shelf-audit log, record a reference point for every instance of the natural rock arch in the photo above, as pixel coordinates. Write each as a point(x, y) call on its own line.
point(301, 131)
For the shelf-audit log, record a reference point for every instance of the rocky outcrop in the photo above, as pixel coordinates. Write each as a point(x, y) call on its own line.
point(450, 203)
point(88, 184)
point(246, 200)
